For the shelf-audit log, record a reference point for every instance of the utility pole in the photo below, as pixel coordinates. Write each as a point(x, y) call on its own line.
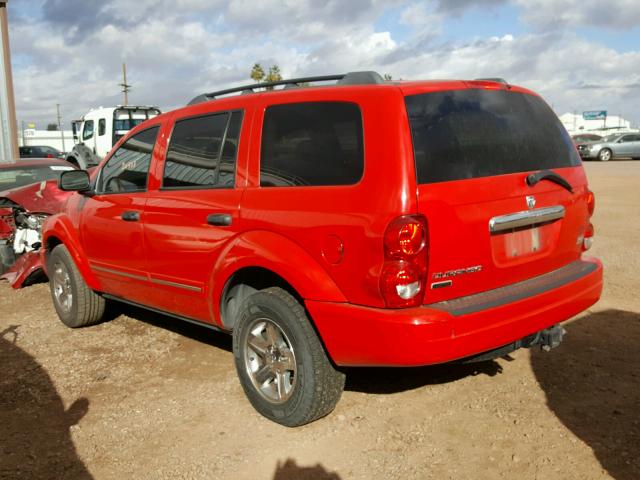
point(60, 127)
point(8, 124)
point(125, 86)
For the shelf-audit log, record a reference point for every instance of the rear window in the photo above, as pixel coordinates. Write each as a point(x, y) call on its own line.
point(462, 134)
point(311, 144)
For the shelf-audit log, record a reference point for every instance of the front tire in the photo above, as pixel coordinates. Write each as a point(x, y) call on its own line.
point(605, 155)
point(76, 304)
point(281, 363)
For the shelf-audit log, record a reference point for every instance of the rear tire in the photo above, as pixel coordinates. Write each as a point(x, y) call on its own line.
point(281, 363)
point(605, 155)
point(76, 304)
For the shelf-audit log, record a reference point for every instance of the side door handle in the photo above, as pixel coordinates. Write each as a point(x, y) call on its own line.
point(130, 216)
point(220, 219)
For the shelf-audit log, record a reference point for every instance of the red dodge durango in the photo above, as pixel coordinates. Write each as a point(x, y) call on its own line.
point(355, 223)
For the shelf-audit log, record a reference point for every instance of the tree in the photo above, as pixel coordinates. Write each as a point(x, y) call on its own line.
point(387, 77)
point(52, 127)
point(257, 72)
point(274, 74)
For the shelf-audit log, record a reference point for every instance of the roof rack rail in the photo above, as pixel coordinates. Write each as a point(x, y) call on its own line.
point(351, 78)
point(492, 79)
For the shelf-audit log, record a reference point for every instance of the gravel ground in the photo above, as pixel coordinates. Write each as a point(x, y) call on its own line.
point(146, 397)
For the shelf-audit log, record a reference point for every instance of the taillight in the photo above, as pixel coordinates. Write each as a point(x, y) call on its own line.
point(403, 277)
point(591, 202)
point(587, 240)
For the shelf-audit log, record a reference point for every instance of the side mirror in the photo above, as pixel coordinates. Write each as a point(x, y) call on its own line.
point(74, 181)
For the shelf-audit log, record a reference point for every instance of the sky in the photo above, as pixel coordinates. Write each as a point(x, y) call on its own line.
point(578, 54)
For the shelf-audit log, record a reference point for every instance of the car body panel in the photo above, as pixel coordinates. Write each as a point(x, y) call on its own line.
point(326, 242)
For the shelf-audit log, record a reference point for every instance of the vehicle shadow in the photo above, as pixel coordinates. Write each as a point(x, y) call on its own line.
point(35, 440)
point(592, 384)
point(289, 470)
point(199, 333)
point(381, 380)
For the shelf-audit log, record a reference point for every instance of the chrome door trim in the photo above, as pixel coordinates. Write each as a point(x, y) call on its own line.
point(175, 284)
point(118, 272)
point(525, 218)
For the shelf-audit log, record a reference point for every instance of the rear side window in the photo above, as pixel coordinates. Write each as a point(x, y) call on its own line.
point(102, 127)
point(128, 167)
point(315, 143)
point(474, 133)
point(202, 152)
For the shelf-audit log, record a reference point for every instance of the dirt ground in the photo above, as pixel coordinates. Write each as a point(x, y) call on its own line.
point(146, 397)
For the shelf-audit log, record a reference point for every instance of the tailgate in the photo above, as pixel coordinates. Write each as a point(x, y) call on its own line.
point(488, 228)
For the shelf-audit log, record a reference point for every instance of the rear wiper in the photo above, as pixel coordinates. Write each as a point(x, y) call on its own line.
point(534, 178)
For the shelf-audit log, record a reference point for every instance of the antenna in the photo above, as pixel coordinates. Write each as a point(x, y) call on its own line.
point(125, 86)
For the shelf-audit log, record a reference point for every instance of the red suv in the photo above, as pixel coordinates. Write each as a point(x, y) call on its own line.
point(349, 224)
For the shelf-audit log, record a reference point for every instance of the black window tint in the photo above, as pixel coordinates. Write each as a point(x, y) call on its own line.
point(202, 152)
point(128, 167)
point(473, 133)
point(102, 127)
point(317, 143)
point(87, 131)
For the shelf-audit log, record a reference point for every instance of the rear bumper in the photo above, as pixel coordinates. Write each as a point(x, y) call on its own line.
point(361, 336)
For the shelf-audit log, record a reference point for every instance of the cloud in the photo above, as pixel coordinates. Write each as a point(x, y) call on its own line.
point(554, 14)
point(176, 49)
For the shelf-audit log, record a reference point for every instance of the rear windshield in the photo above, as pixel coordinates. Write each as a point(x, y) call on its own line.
point(461, 134)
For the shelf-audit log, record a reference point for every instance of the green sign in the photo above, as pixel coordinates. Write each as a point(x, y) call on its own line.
point(595, 115)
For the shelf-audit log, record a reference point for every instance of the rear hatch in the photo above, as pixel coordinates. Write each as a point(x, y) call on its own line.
point(474, 148)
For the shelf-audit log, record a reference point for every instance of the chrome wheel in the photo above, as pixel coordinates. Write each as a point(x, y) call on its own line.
point(270, 361)
point(61, 282)
point(605, 155)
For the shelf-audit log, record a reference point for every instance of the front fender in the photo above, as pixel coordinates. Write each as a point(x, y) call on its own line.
point(60, 227)
point(279, 255)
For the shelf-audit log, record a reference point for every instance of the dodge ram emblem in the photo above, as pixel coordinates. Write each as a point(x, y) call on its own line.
point(531, 201)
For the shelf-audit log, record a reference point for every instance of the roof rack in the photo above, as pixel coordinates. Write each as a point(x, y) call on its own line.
point(351, 78)
point(492, 79)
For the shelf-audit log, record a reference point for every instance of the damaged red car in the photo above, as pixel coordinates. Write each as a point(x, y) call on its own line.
point(28, 194)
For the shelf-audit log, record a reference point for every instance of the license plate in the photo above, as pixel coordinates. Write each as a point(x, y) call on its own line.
point(522, 242)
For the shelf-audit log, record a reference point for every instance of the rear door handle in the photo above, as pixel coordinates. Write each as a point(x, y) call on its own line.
point(130, 216)
point(220, 219)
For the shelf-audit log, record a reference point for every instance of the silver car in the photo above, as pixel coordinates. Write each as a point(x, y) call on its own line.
point(612, 146)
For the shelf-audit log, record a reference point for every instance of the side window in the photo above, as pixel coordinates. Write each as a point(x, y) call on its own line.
point(102, 127)
point(128, 167)
point(315, 143)
point(202, 152)
point(87, 131)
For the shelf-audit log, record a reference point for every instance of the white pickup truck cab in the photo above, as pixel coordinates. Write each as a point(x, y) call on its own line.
point(101, 128)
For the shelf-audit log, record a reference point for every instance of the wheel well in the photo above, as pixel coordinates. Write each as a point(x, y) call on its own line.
point(243, 283)
point(52, 242)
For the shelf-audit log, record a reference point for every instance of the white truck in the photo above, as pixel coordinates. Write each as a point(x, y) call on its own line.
point(99, 130)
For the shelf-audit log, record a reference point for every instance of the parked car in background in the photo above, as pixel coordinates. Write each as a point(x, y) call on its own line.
point(616, 145)
point(28, 194)
point(361, 223)
point(585, 137)
point(40, 151)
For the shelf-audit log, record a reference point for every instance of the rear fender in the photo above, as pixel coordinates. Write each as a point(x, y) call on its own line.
point(279, 255)
point(60, 227)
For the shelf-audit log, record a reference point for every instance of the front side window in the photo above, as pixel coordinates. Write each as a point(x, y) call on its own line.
point(87, 131)
point(202, 152)
point(128, 167)
point(102, 127)
point(312, 144)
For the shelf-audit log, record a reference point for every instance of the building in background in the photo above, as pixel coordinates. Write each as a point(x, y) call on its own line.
point(575, 123)
point(49, 138)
